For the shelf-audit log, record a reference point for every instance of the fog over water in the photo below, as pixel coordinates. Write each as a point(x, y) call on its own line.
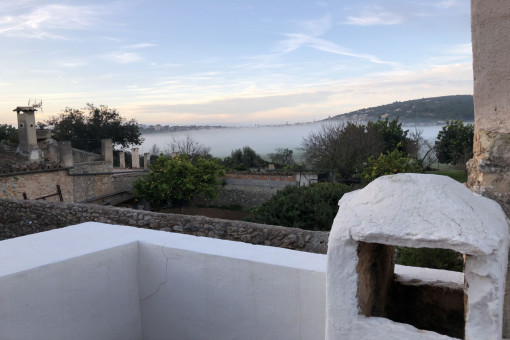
point(263, 140)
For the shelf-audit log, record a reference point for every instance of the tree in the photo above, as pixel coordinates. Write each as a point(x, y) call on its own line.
point(422, 149)
point(454, 143)
point(344, 149)
point(188, 146)
point(388, 164)
point(97, 123)
point(282, 157)
point(9, 135)
point(179, 179)
point(391, 134)
point(311, 207)
point(243, 159)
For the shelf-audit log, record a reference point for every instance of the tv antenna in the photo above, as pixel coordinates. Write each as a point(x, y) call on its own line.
point(36, 104)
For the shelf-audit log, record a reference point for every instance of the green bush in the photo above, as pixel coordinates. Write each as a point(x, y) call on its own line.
point(430, 258)
point(454, 143)
point(179, 179)
point(388, 164)
point(312, 207)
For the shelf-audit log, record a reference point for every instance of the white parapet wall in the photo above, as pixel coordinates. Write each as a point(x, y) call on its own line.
point(97, 281)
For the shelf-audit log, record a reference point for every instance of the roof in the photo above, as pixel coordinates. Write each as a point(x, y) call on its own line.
point(25, 109)
point(12, 162)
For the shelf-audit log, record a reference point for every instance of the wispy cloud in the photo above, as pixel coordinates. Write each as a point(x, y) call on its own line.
point(447, 4)
point(317, 27)
point(296, 41)
point(374, 17)
point(454, 54)
point(139, 46)
point(310, 37)
point(240, 106)
point(72, 64)
point(49, 21)
point(122, 57)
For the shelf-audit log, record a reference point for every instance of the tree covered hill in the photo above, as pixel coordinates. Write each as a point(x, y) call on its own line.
point(434, 110)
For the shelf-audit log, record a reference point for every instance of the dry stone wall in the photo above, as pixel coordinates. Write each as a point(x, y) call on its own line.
point(18, 218)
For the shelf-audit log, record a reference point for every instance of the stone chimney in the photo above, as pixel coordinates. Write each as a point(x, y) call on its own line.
point(27, 133)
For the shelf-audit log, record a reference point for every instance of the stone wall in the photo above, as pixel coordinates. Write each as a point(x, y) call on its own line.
point(250, 189)
point(37, 184)
point(28, 217)
point(81, 156)
point(245, 196)
point(489, 170)
point(89, 186)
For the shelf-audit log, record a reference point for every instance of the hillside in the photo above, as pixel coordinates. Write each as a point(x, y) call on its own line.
point(434, 110)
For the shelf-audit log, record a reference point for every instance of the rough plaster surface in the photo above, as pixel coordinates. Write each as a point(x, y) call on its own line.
point(97, 281)
point(416, 210)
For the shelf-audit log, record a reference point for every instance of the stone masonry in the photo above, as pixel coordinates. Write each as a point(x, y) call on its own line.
point(489, 169)
point(28, 217)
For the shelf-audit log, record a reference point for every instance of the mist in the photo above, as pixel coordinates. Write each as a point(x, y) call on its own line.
point(263, 140)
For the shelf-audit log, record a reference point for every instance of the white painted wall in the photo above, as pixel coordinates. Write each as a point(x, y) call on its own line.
point(96, 281)
point(93, 296)
point(191, 295)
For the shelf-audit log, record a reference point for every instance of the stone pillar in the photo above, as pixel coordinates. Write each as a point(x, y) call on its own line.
point(122, 160)
point(66, 153)
point(107, 150)
point(489, 170)
point(52, 150)
point(146, 160)
point(135, 158)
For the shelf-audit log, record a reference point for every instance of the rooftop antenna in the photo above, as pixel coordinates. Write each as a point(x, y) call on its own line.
point(36, 104)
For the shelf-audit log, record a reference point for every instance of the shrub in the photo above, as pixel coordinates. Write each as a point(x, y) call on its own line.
point(388, 164)
point(312, 207)
point(430, 258)
point(179, 179)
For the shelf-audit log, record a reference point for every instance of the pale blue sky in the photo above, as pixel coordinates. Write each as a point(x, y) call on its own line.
point(231, 62)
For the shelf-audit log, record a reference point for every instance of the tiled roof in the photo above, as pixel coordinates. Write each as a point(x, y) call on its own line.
point(11, 162)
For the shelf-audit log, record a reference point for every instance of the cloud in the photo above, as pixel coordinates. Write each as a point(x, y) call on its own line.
point(238, 106)
point(139, 46)
point(374, 17)
point(453, 54)
point(448, 4)
point(317, 27)
point(72, 64)
point(310, 37)
point(49, 21)
point(296, 41)
point(122, 57)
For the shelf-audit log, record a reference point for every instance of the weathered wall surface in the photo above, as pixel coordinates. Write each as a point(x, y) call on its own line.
point(28, 217)
point(81, 156)
point(88, 186)
point(489, 170)
point(244, 195)
point(249, 190)
point(37, 184)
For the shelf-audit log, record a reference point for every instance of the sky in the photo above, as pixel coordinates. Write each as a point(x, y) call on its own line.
point(230, 62)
